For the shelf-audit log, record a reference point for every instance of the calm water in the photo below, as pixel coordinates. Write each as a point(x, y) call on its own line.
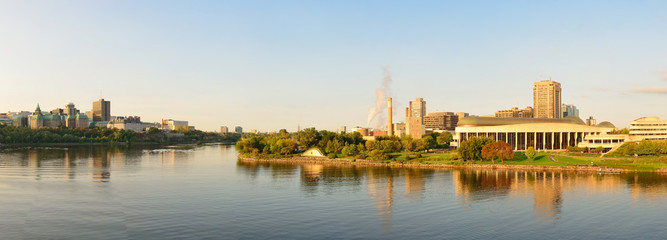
point(206, 193)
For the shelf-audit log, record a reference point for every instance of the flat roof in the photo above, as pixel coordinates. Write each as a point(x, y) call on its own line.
point(497, 121)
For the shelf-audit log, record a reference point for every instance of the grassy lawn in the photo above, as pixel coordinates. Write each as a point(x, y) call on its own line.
point(541, 159)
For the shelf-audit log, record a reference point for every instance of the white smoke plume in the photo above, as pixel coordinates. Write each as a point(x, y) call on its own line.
point(377, 113)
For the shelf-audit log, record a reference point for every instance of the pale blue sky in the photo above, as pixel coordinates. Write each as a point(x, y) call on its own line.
point(268, 65)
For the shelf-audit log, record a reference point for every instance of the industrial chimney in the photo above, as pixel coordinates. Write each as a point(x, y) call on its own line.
point(390, 127)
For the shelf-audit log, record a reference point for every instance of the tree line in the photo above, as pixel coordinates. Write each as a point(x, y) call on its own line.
point(21, 135)
point(333, 144)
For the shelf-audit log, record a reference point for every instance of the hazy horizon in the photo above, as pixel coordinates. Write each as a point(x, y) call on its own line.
point(272, 65)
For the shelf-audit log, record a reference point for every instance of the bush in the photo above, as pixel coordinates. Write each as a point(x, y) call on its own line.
point(332, 156)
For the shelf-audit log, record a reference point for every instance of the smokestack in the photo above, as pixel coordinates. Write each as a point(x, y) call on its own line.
point(390, 127)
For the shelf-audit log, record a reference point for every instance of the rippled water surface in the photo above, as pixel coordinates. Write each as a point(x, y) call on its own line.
point(118, 193)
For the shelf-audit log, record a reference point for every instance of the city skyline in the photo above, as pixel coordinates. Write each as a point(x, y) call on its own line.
point(319, 64)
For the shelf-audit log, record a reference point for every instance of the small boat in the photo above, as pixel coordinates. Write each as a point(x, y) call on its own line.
point(608, 171)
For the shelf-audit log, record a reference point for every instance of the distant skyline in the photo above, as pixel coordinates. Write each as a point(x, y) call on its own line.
point(268, 65)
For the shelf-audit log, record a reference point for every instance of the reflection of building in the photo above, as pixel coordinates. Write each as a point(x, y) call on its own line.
point(515, 113)
point(547, 99)
point(522, 133)
point(101, 110)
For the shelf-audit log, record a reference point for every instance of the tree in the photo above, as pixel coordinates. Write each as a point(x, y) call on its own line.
point(500, 150)
point(445, 138)
point(472, 148)
point(309, 137)
point(530, 153)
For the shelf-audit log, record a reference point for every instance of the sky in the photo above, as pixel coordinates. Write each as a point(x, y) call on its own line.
point(269, 65)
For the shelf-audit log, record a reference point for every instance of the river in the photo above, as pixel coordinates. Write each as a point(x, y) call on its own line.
point(207, 193)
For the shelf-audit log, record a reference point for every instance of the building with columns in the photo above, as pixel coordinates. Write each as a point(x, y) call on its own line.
point(522, 133)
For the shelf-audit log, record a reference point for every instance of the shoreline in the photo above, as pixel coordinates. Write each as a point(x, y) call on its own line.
point(360, 162)
point(19, 145)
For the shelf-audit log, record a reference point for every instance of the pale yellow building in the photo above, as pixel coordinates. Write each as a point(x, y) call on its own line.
point(522, 133)
point(547, 99)
point(515, 113)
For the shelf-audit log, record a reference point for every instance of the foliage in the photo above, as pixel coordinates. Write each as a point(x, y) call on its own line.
point(472, 148)
point(620, 131)
point(577, 149)
point(530, 154)
point(643, 148)
point(497, 150)
point(445, 138)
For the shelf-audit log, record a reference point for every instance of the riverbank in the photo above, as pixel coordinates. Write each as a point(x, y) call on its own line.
point(372, 163)
point(19, 145)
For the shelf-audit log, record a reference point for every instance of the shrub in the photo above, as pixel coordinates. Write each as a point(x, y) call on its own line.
point(332, 156)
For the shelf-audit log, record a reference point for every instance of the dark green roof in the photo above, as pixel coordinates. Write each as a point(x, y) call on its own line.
point(606, 125)
point(494, 121)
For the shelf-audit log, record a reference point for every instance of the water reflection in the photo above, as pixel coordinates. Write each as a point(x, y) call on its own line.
point(100, 160)
point(545, 189)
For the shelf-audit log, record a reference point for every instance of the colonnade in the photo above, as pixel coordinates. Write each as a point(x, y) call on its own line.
point(537, 140)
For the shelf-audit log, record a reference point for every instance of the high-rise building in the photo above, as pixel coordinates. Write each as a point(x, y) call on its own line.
point(70, 110)
point(515, 113)
point(238, 129)
point(343, 129)
point(101, 110)
point(418, 108)
point(224, 129)
point(569, 110)
point(591, 121)
point(414, 118)
point(547, 99)
point(441, 121)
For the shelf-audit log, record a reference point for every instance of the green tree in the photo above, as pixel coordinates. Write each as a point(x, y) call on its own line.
point(445, 138)
point(530, 154)
point(472, 148)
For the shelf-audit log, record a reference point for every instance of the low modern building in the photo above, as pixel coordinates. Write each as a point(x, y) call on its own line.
point(646, 128)
point(441, 121)
point(649, 128)
point(515, 113)
point(522, 133)
point(127, 123)
point(174, 125)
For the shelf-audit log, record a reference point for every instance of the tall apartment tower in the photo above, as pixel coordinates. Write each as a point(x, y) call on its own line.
point(418, 108)
point(390, 126)
point(414, 118)
point(547, 99)
point(101, 110)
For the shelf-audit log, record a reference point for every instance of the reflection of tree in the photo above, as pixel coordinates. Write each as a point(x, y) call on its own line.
point(415, 183)
point(276, 170)
point(475, 185)
point(647, 186)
